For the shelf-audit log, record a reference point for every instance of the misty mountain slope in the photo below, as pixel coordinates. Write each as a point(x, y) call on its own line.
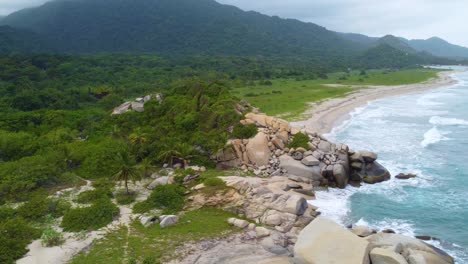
point(175, 26)
point(14, 40)
point(439, 47)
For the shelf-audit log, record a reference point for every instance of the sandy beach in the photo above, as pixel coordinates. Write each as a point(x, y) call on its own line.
point(324, 116)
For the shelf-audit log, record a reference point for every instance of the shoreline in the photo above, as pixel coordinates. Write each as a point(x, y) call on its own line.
point(324, 116)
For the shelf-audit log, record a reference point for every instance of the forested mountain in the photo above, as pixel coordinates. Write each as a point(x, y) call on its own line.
point(194, 27)
point(14, 40)
point(439, 47)
point(175, 26)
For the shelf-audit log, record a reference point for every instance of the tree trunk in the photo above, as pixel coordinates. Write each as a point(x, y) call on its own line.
point(126, 187)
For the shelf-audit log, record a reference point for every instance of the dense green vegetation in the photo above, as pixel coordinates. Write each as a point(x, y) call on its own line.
point(158, 244)
point(99, 214)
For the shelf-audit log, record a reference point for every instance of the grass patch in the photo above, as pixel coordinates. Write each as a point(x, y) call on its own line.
point(158, 244)
point(124, 198)
point(106, 250)
point(289, 98)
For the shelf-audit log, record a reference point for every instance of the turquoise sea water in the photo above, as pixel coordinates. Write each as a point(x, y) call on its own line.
point(425, 134)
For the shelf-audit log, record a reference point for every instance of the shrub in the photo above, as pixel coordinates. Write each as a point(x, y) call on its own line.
point(15, 235)
point(40, 206)
point(168, 197)
point(100, 214)
point(123, 198)
point(180, 175)
point(300, 140)
point(93, 195)
point(103, 183)
point(51, 238)
point(244, 131)
point(6, 213)
point(214, 182)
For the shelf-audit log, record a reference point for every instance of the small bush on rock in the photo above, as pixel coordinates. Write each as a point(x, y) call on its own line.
point(244, 131)
point(168, 197)
point(300, 140)
point(214, 182)
point(100, 214)
point(51, 238)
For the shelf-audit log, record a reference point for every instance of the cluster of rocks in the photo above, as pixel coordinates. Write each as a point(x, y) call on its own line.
point(323, 163)
point(138, 105)
point(163, 220)
point(324, 241)
point(266, 202)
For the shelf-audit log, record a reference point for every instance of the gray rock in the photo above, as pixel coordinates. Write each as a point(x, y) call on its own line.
point(368, 156)
point(307, 192)
point(340, 175)
point(164, 180)
point(262, 232)
point(310, 161)
point(308, 153)
point(294, 186)
point(138, 107)
point(297, 155)
point(362, 231)
point(386, 256)
point(269, 245)
point(324, 146)
point(168, 220)
point(375, 173)
point(295, 167)
point(402, 176)
point(147, 221)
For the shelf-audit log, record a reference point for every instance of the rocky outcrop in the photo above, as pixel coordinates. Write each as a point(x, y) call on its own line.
point(323, 163)
point(412, 249)
point(367, 169)
point(324, 241)
point(138, 105)
point(258, 151)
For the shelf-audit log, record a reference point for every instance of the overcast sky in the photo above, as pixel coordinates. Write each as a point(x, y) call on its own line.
point(406, 18)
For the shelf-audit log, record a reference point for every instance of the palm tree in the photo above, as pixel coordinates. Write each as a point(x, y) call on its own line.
point(146, 167)
point(185, 152)
point(168, 155)
point(137, 139)
point(128, 169)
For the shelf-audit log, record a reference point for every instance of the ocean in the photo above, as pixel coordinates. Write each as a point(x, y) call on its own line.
point(425, 134)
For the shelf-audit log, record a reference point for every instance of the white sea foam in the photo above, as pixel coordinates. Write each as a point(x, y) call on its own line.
point(334, 204)
point(447, 121)
point(400, 226)
point(432, 136)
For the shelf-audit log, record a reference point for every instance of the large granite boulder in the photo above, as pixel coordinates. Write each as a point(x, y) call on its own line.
point(295, 167)
point(164, 180)
point(413, 248)
point(386, 256)
point(258, 151)
point(374, 173)
point(324, 241)
point(341, 176)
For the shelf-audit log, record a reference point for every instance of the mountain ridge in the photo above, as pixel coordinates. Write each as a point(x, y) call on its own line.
point(202, 27)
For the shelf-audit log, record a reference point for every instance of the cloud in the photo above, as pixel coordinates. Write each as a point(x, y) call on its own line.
point(9, 6)
point(407, 18)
